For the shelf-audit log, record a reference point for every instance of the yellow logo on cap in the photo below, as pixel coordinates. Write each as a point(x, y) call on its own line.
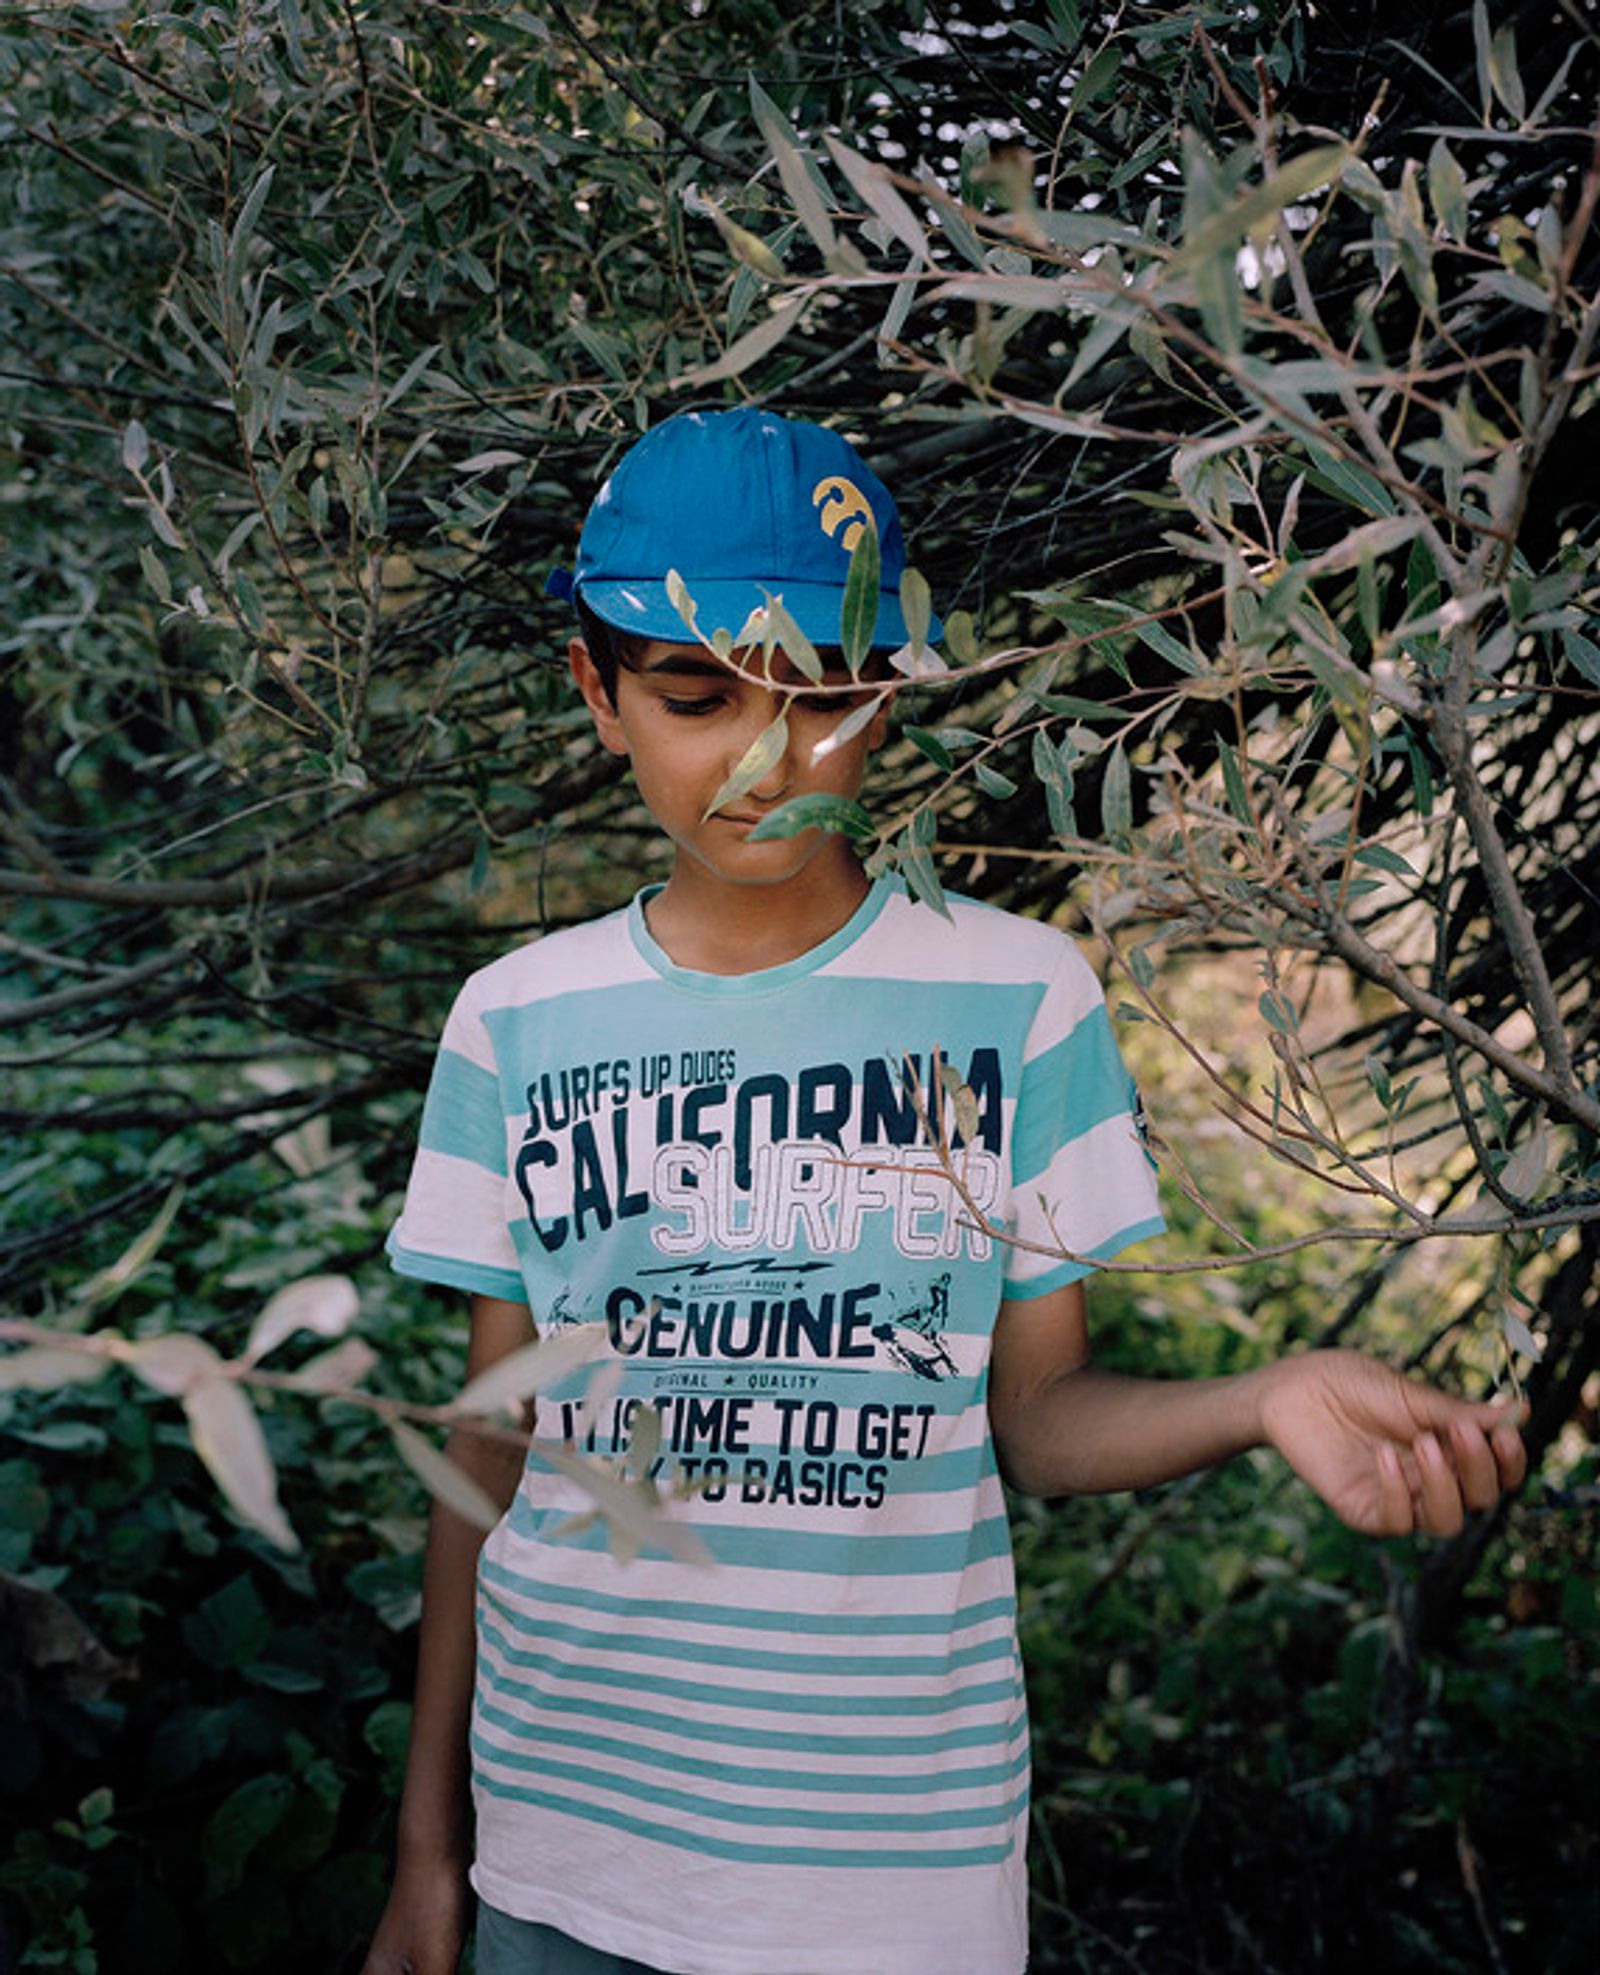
point(845, 510)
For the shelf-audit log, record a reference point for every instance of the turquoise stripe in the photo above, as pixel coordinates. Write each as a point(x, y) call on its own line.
point(756, 1699)
point(1022, 1292)
point(619, 1714)
point(752, 1618)
point(983, 1776)
point(849, 1013)
point(465, 1113)
point(940, 1859)
point(1076, 1084)
point(477, 1278)
point(659, 1648)
point(796, 1550)
point(775, 1817)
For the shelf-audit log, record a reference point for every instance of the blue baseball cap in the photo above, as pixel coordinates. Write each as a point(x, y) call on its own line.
point(737, 502)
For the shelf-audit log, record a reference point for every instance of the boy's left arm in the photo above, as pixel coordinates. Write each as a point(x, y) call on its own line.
point(1387, 1454)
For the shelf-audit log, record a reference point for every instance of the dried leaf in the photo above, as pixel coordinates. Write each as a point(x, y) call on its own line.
point(228, 1438)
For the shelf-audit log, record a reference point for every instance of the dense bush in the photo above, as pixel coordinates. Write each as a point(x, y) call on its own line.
point(1235, 369)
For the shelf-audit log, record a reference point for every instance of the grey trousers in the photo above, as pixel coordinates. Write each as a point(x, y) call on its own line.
point(505, 1946)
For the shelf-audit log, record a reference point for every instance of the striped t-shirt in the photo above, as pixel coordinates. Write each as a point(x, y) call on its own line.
point(810, 1756)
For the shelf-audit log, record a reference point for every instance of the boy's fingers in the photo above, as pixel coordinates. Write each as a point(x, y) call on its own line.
point(1477, 1466)
point(1395, 1517)
point(1510, 1454)
point(1442, 1513)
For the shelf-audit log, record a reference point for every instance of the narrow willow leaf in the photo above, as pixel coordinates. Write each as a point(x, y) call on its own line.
point(624, 1505)
point(1224, 228)
point(409, 376)
point(916, 607)
point(135, 445)
point(1099, 75)
point(1278, 1013)
point(1116, 797)
point(46, 1367)
point(857, 718)
point(753, 344)
point(228, 1438)
point(744, 245)
point(1523, 1173)
point(1447, 190)
point(817, 811)
point(1382, 858)
point(759, 759)
point(250, 212)
point(872, 184)
point(335, 1371)
point(327, 1304)
point(441, 1477)
point(172, 1364)
point(1504, 75)
point(1519, 1337)
point(992, 782)
point(791, 640)
point(532, 1368)
point(1233, 782)
point(1161, 640)
point(792, 169)
point(961, 637)
point(678, 596)
point(930, 745)
point(134, 1259)
point(858, 612)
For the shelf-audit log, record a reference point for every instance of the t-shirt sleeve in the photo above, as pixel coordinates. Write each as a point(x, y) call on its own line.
point(1082, 1176)
point(452, 1228)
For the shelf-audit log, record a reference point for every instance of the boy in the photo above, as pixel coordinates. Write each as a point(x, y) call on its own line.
point(716, 1125)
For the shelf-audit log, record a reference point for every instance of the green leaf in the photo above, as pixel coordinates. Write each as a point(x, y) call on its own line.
point(1160, 639)
point(1447, 190)
point(858, 613)
point(1382, 858)
point(1582, 654)
point(1099, 76)
point(135, 445)
point(1223, 229)
point(793, 169)
point(931, 746)
point(815, 812)
point(759, 759)
point(1234, 783)
point(872, 184)
point(1278, 1013)
point(1504, 76)
point(238, 1825)
point(992, 782)
point(752, 345)
point(1116, 797)
point(230, 1628)
point(916, 607)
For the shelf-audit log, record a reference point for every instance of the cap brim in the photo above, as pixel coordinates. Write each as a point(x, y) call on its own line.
point(644, 608)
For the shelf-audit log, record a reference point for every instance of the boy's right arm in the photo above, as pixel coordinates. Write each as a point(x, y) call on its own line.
point(424, 1925)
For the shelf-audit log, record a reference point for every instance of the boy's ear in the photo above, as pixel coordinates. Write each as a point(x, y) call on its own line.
point(586, 675)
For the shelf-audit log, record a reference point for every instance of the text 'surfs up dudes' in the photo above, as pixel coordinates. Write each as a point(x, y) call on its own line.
point(710, 1127)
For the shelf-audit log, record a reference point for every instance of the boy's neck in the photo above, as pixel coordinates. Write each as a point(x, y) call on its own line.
point(711, 927)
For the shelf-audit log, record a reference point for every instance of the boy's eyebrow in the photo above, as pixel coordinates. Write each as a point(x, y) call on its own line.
point(682, 664)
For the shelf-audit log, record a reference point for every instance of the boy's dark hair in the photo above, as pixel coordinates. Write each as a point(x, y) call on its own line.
point(610, 648)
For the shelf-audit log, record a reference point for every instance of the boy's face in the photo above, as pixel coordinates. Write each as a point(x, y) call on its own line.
point(684, 720)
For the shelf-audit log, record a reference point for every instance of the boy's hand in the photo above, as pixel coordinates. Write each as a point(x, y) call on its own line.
point(1389, 1456)
point(424, 1926)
